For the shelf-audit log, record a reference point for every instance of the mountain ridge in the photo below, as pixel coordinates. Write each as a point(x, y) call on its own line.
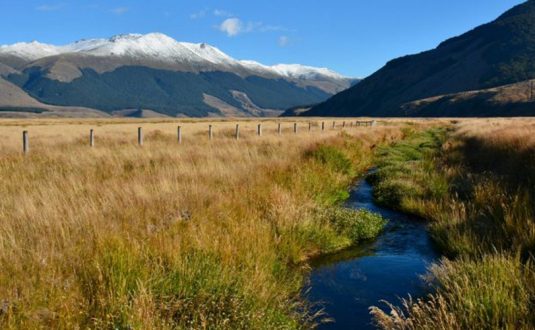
point(158, 73)
point(494, 54)
point(156, 46)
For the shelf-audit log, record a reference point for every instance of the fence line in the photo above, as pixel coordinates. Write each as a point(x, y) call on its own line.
point(26, 138)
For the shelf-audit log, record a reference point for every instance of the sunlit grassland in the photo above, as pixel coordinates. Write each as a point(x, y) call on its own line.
point(476, 186)
point(206, 234)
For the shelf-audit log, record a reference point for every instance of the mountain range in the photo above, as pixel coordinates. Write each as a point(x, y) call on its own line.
point(484, 72)
point(152, 74)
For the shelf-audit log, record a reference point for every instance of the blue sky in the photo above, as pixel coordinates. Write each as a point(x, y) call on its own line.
point(353, 37)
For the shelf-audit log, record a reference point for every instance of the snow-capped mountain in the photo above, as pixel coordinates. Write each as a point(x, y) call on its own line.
point(162, 48)
point(156, 72)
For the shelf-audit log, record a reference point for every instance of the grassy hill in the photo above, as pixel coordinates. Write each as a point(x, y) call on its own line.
point(516, 99)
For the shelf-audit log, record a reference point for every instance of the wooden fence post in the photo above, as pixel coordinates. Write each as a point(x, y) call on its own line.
point(210, 134)
point(322, 126)
point(295, 128)
point(279, 129)
point(237, 131)
point(259, 130)
point(91, 138)
point(343, 124)
point(179, 134)
point(334, 124)
point(140, 136)
point(25, 142)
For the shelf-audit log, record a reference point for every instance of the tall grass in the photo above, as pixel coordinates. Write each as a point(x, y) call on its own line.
point(494, 292)
point(484, 219)
point(201, 235)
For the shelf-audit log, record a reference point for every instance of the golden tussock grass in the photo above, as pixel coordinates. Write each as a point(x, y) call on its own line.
point(207, 234)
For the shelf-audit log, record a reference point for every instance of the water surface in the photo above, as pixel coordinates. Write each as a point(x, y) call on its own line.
point(349, 282)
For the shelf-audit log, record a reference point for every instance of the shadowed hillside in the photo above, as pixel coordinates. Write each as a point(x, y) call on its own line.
point(498, 53)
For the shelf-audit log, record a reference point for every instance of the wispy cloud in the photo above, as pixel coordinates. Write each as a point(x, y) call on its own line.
point(271, 28)
point(221, 13)
point(283, 41)
point(50, 7)
point(209, 12)
point(199, 14)
point(119, 10)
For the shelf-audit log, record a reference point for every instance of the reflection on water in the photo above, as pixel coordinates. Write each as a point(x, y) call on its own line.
point(346, 284)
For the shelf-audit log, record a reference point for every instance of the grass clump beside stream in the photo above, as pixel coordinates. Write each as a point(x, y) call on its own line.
point(403, 176)
point(480, 215)
point(205, 235)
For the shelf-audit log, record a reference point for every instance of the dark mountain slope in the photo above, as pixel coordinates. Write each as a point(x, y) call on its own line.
point(168, 92)
point(494, 54)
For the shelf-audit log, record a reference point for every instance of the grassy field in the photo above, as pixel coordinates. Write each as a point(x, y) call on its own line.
point(475, 182)
point(206, 234)
point(216, 234)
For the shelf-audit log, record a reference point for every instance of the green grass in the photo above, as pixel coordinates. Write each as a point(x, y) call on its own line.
point(404, 171)
point(328, 173)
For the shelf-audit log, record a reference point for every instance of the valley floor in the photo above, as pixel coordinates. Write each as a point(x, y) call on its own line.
point(202, 234)
point(217, 233)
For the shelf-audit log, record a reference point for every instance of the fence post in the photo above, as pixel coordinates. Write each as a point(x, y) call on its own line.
point(343, 124)
point(279, 129)
point(210, 134)
point(259, 130)
point(140, 136)
point(350, 124)
point(334, 124)
point(295, 128)
point(25, 142)
point(322, 126)
point(179, 134)
point(91, 138)
point(237, 131)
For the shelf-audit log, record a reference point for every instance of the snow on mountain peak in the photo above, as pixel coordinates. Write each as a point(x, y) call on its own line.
point(161, 47)
point(29, 50)
point(302, 71)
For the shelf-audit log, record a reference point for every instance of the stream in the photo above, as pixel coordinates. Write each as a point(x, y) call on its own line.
point(347, 283)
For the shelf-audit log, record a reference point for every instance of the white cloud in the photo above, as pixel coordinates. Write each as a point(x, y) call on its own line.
point(50, 7)
point(283, 41)
point(232, 26)
point(119, 10)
